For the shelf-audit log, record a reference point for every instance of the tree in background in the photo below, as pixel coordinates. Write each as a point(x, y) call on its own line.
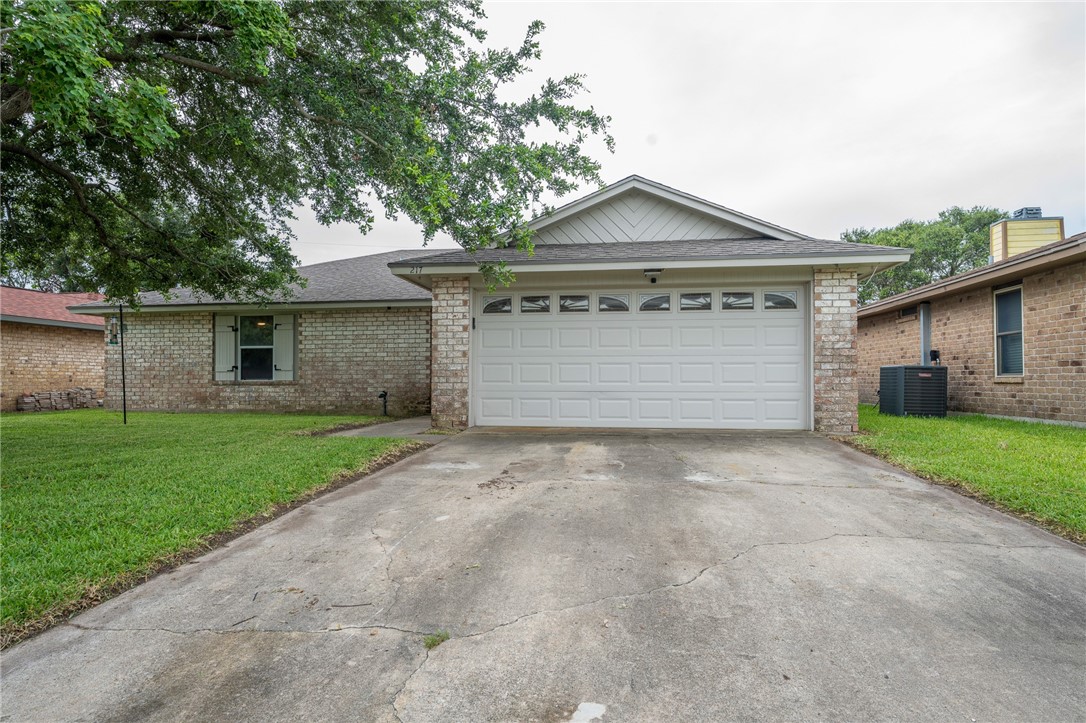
point(955, 242)
point(166, 144)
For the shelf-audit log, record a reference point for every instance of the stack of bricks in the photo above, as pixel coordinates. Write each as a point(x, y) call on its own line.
point(77, 398)
point(835, 383)
point(451, 340)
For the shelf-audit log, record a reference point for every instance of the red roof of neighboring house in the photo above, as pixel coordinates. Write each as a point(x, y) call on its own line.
point(29, 306)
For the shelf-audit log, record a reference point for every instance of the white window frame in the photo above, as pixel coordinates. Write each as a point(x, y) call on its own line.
point(1021, 330)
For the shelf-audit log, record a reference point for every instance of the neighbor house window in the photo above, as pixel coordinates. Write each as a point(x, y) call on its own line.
point(254, 347)
point(1008, 332)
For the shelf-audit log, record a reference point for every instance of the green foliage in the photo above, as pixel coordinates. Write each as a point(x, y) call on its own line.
point(432, 641)
point(955, 242)
point(1033, 469)
point(166, 144)
point(89, 502)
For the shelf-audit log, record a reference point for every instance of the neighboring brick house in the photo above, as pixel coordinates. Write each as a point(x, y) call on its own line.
point(642, 306)
point(46, 348)
point(1012, 334)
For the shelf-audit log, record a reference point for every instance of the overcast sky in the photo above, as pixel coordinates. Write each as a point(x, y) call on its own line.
point(816, 117)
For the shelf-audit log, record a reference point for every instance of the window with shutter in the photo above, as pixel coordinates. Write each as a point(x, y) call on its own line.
point(226, 347)
point(283, 343)
point(257, 347)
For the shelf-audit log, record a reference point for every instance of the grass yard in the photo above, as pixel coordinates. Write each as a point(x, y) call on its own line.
point(90, 506)
point(1035, 470)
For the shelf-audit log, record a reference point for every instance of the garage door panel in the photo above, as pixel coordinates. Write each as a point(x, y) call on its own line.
point(735, 338)
point(496, 339)
point(534, 373)
point(696, 369)
point(535, 339)
point(497, 372)
point(615, 410)
point(580, 373)
point(781, 410)
point(695, 373)
point(614, 372)
point(654, 410)
point(620, 338)
point(696, 410)
point(535, 408)
point(783, 336)
point(654, 373)
point(574, 339)
point(733, 373)
point(575, 409)
point(654, 338)
point(497, 408)
point(739, 410)
point(782, 373)
point(701, 337)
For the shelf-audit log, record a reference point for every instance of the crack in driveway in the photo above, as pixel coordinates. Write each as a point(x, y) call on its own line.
point(619, 596)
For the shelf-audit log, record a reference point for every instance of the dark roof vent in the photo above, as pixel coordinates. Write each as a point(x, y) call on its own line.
point(1027, 212)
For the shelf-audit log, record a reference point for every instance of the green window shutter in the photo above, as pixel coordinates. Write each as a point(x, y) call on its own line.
point(226, 348)
point(283, 341)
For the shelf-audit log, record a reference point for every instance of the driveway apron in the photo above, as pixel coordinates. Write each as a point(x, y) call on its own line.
point(634, 576)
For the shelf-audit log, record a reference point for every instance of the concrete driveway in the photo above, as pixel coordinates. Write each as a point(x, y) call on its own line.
point(639, 576)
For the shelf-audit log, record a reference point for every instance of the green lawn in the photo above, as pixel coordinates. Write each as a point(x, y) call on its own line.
point(88, 504)
point(1035, 470)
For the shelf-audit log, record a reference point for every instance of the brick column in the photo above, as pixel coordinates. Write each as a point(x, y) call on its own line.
point(836, 391)
point(451, 341)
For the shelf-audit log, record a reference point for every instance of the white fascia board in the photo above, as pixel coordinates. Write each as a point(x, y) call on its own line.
point(678, 197)
point(889, 259)
point(51, 322)
point(246, 308)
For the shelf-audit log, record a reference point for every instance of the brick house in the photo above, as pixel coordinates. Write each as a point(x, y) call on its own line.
point(642, 306)
point(355, 331)
point(1012, 333)
point(46, 348)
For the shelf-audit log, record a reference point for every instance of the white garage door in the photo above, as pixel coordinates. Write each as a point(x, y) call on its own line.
point(725, 358)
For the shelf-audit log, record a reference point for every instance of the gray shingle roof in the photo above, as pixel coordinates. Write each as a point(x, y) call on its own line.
point(654, 251)
point(363, 278)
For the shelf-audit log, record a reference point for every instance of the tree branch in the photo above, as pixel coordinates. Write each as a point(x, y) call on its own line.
point(72, 180)
point(250, 80)
point(333, 122)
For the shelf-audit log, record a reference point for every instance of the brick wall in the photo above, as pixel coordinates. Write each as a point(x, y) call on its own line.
point(344, 359)
point(1054, 344)
point(37, 358)
point(451, 344)
point(835, 391)
point(885, 339)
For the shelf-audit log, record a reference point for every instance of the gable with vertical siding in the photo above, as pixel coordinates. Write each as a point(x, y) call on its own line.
point(638, 216)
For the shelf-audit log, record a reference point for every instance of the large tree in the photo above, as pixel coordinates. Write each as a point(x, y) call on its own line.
point(166, 144)
point(955, 242)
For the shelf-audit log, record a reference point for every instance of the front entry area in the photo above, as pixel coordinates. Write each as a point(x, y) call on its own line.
point(709, 357)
